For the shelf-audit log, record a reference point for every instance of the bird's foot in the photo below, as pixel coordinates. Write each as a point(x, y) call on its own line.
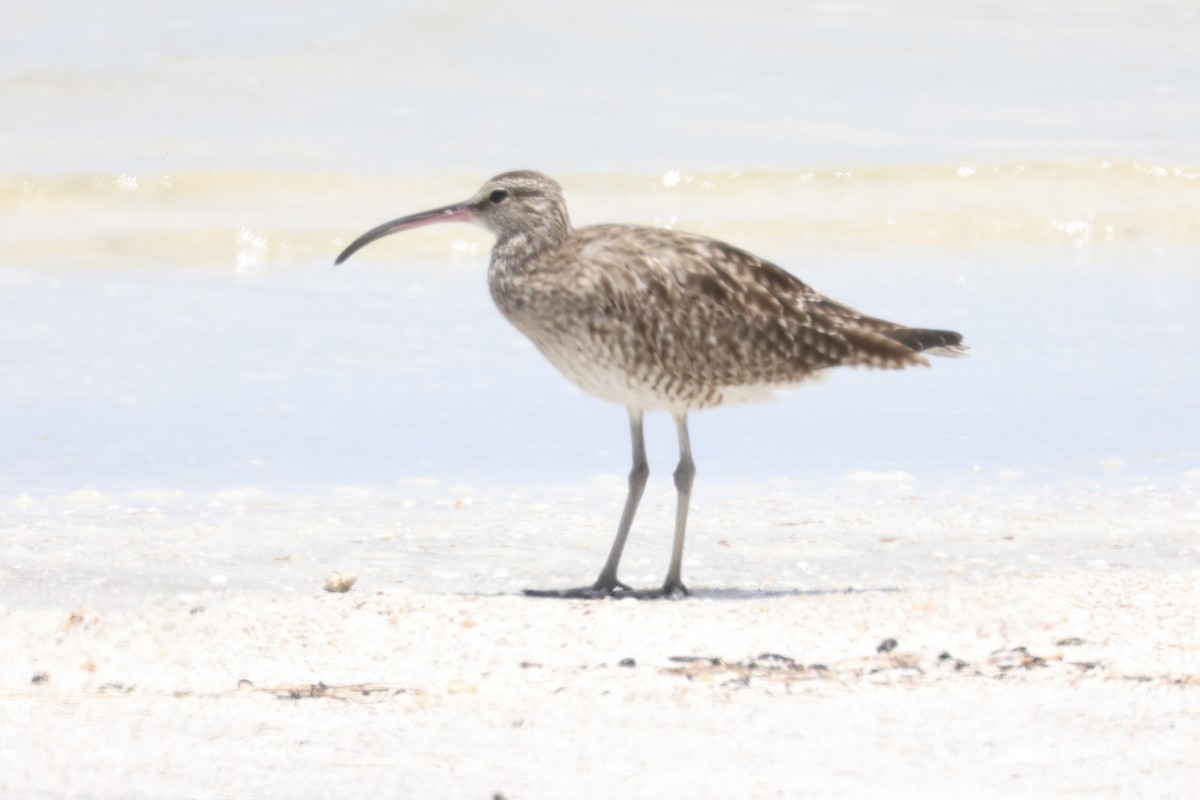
point(603, 587)
point(675, 590)
point(671, 590)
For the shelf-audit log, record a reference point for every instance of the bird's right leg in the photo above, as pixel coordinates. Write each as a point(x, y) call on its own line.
point(607, 583)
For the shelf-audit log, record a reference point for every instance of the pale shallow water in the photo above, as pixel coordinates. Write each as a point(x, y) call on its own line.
point(316, 377)
point(367, 86)
point(175, 183)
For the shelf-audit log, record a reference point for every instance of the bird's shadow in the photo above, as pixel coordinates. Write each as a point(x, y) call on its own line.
point(734, 593)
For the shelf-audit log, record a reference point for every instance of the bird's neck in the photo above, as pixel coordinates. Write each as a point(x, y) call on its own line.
point(522, 246)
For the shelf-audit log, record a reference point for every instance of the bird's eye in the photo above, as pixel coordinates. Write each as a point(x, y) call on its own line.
point(498, 196)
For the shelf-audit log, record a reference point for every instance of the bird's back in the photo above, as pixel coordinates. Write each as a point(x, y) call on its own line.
point(659, 318)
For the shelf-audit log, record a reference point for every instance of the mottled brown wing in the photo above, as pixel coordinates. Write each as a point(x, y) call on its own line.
point(710, 313)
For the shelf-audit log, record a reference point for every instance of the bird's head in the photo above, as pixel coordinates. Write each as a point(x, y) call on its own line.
point(514, 204)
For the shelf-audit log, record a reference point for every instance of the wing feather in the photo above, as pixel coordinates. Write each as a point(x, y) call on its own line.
point(704, 311)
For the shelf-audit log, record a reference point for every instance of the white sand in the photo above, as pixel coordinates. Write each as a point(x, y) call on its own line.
point(143, 613)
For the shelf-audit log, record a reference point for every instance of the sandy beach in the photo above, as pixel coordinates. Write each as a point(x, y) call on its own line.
point(879, 640)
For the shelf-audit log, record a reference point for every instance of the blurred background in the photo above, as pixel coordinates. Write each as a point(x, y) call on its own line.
point(175, 182)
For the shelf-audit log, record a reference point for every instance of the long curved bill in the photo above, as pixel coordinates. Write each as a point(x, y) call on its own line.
point(460, 212)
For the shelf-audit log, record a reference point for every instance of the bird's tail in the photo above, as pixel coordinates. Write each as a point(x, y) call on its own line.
point(937, 343)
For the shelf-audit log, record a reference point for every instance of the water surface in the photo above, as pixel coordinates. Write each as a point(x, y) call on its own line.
point(174, 184)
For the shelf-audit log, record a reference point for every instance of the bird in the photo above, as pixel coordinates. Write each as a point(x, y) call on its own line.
point(659, 319)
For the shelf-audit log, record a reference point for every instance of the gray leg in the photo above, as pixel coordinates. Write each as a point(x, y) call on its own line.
point(637, 484)
point(684, 473)
point(607, 583)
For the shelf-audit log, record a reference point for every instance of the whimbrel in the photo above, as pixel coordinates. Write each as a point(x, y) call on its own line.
point(659, 319)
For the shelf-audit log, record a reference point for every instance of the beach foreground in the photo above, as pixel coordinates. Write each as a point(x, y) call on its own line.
point(875, 639)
